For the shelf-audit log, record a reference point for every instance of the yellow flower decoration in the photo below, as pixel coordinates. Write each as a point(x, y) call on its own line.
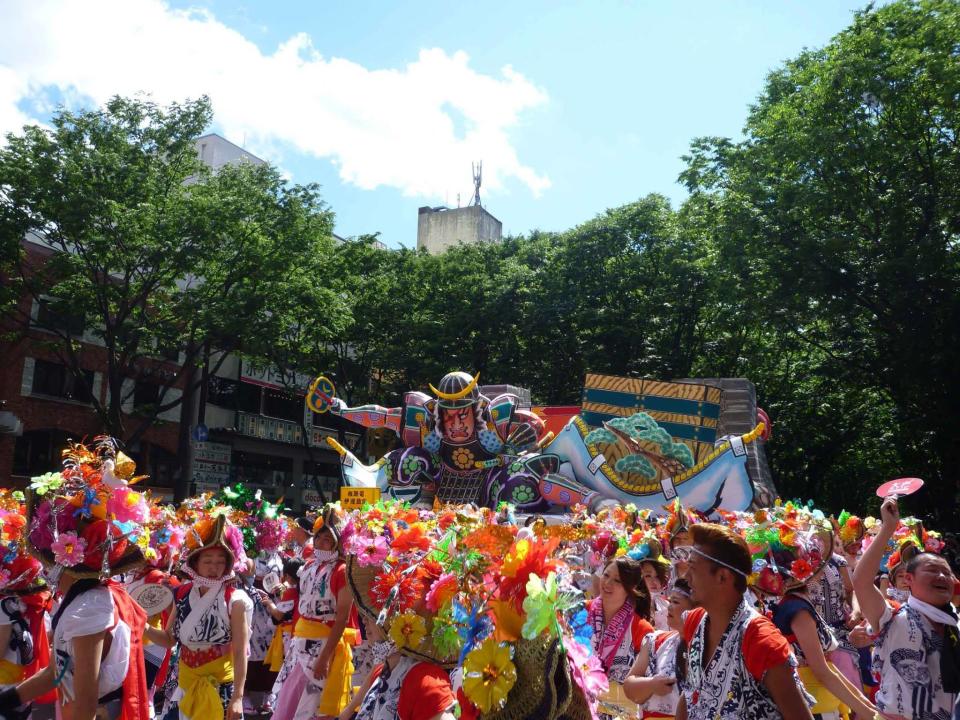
point(514, 559)
point(488, 675)
point(408, 630)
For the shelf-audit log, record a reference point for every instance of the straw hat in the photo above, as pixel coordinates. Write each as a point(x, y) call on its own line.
point(360, 578)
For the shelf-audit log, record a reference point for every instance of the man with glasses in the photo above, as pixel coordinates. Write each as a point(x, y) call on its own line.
point(738, 664)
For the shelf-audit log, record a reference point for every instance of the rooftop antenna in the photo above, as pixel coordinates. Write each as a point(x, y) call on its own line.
point(477, 180)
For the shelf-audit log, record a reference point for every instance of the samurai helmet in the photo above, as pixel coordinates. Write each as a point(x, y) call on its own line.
point(457, 390)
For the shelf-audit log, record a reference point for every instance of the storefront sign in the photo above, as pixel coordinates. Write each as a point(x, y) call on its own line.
point(211, 464)
point(354, 498)
point(267, 428)
point(271, 378)
point(311, 497)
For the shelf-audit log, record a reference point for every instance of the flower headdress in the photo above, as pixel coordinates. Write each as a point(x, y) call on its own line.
point(86, 518)
point(454, 587)
point(679, 520)
point(263, 528)
point(789, 547)
point(214, 529)
point(19, 571)
point(851, 529)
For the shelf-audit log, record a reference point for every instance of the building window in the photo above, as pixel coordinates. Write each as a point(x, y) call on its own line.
point(145, 393)
point(169, 352)
point(327, 473)
point(53, 318)
point(284, 406)
point(259, 469)
point(57, 381)
point(249, 397)
point(38, 451)
point(233, 395)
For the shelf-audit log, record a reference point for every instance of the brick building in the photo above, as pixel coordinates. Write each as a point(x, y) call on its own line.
point(249, 429)
point(52, 405)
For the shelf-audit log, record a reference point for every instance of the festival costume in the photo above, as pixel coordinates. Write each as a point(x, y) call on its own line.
point(827, 705)
point(907, 661)
point(662, 646)
point(24, 600)
point(729, 685)
point(203, 625)
point(412, 690)
point(86, 520)
point(122, 685)
point(617, 643)
point(203, 629)
point(301, 695)
point(262, 627)
point(828, 597)
point(279, 649)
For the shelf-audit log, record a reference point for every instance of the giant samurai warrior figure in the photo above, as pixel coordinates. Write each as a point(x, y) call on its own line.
point(459, 447)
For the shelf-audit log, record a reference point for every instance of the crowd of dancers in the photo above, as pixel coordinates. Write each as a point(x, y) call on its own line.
point(115, 606)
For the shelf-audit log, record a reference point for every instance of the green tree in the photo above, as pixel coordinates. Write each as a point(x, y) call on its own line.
point(837, 217)
point(152, 251)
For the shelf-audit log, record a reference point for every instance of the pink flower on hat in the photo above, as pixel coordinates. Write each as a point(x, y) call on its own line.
point(68, 549)
point(127, 505)
point(369, 550)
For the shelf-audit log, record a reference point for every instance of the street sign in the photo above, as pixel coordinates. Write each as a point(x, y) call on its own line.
point(211, 463)
point(201, 433)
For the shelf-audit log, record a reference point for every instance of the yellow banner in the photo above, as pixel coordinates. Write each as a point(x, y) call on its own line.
point(354, 498)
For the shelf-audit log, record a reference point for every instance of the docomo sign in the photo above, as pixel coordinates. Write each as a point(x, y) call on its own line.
point(899, 487)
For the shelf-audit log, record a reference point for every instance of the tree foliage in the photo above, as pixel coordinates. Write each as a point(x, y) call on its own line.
point(151, 250)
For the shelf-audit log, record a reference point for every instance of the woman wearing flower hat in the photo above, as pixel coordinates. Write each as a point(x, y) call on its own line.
point(656, 576)
point(324, 634)
point(802, 551)
point(211, 623)
point(82, 528)
point(24, 603)
point(831, 593)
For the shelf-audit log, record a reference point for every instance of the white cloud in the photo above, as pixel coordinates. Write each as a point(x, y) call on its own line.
point(415, 128)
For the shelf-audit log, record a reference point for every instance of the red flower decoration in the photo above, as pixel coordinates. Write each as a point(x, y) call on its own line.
point(413, 538)
point(538, 561)
point(410, 588)
point(801, 569)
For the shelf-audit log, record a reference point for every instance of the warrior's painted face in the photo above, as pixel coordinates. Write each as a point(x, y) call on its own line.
point(458, 423)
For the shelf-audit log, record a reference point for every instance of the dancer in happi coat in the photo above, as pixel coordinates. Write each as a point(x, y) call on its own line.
point(83, 527)
point(652, 682)
point(285, 613)
point(211, 624)
point(620, 617)
point(325, 632)
point(738, 666)
point(794, 563)
point(917, 654)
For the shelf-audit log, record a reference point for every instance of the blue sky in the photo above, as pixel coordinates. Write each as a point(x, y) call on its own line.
point(602, 102)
